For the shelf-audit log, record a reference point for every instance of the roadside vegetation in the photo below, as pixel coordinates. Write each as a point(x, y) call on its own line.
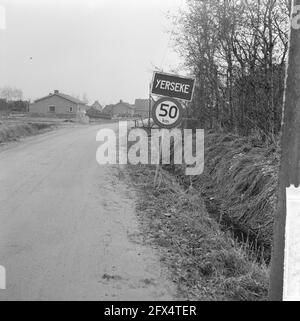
point(12, 131)
point(237, 52)
point(204, 260)
point(216, 228)
point(239, 186)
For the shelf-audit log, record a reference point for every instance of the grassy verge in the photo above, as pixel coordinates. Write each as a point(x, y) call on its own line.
point(239, 185)
point(205, 262)
point(12, 131)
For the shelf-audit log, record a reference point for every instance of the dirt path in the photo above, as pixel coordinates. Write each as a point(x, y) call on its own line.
point(68, 229)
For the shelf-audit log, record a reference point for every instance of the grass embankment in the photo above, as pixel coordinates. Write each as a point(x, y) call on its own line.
point(12, 131)
point(214, 230)
point(239, 187)
point(205, 262)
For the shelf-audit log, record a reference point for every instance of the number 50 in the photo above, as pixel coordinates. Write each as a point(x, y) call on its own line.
point(172, 112)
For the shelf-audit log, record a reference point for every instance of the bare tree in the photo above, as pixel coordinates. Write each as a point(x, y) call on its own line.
point(10, 93)
point(237, 51)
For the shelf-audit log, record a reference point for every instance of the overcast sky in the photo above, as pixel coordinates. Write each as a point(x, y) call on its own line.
point(104, 48)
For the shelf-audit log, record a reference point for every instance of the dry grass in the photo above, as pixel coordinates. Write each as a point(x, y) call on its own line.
point(12, 131)
point(205, 262)
point(239, 185)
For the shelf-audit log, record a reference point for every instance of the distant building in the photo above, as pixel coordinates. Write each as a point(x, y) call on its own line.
point(120, 109)
point(58, 103)
point(141, 107)
point(95, 113)
point(96, 105)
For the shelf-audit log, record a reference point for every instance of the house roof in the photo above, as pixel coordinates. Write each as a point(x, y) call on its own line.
point(124, 104)
point(96, 104)
point(142, 104)
point(109, 108)
point(92, 110)
point(64, 96)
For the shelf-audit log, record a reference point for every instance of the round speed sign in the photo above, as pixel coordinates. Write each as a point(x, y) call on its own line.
point(167, 112)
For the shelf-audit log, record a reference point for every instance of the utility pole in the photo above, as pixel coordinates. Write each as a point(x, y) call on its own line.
point(289, 174)
point(150, 98)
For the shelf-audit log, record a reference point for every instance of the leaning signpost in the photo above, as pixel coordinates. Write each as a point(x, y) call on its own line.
point(167, 112)
point(174, 86)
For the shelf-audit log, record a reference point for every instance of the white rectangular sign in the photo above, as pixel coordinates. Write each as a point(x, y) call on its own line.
point(291, 281)
point(2, 278)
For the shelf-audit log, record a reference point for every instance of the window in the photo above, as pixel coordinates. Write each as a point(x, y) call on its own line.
point(52, 109)
point(71, 109)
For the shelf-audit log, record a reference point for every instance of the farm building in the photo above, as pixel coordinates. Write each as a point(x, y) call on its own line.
point(58, 103)
point(119, 109)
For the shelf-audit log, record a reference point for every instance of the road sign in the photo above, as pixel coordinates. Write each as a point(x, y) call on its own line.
point(167, 112)
point(172, 86)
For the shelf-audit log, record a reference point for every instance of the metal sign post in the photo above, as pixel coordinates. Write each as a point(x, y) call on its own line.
point(167, 112)
point(285, 248)
point(149, 111)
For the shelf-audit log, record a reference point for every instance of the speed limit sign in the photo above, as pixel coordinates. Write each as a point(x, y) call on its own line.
point(167, 112)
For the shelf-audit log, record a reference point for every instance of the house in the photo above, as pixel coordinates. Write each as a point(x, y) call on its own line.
point(96, 105)
point(95, 113)
point(58, 104)
point(121, 109)
point(141, 107)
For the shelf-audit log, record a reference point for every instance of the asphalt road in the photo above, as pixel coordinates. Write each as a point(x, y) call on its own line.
point(68, 229)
